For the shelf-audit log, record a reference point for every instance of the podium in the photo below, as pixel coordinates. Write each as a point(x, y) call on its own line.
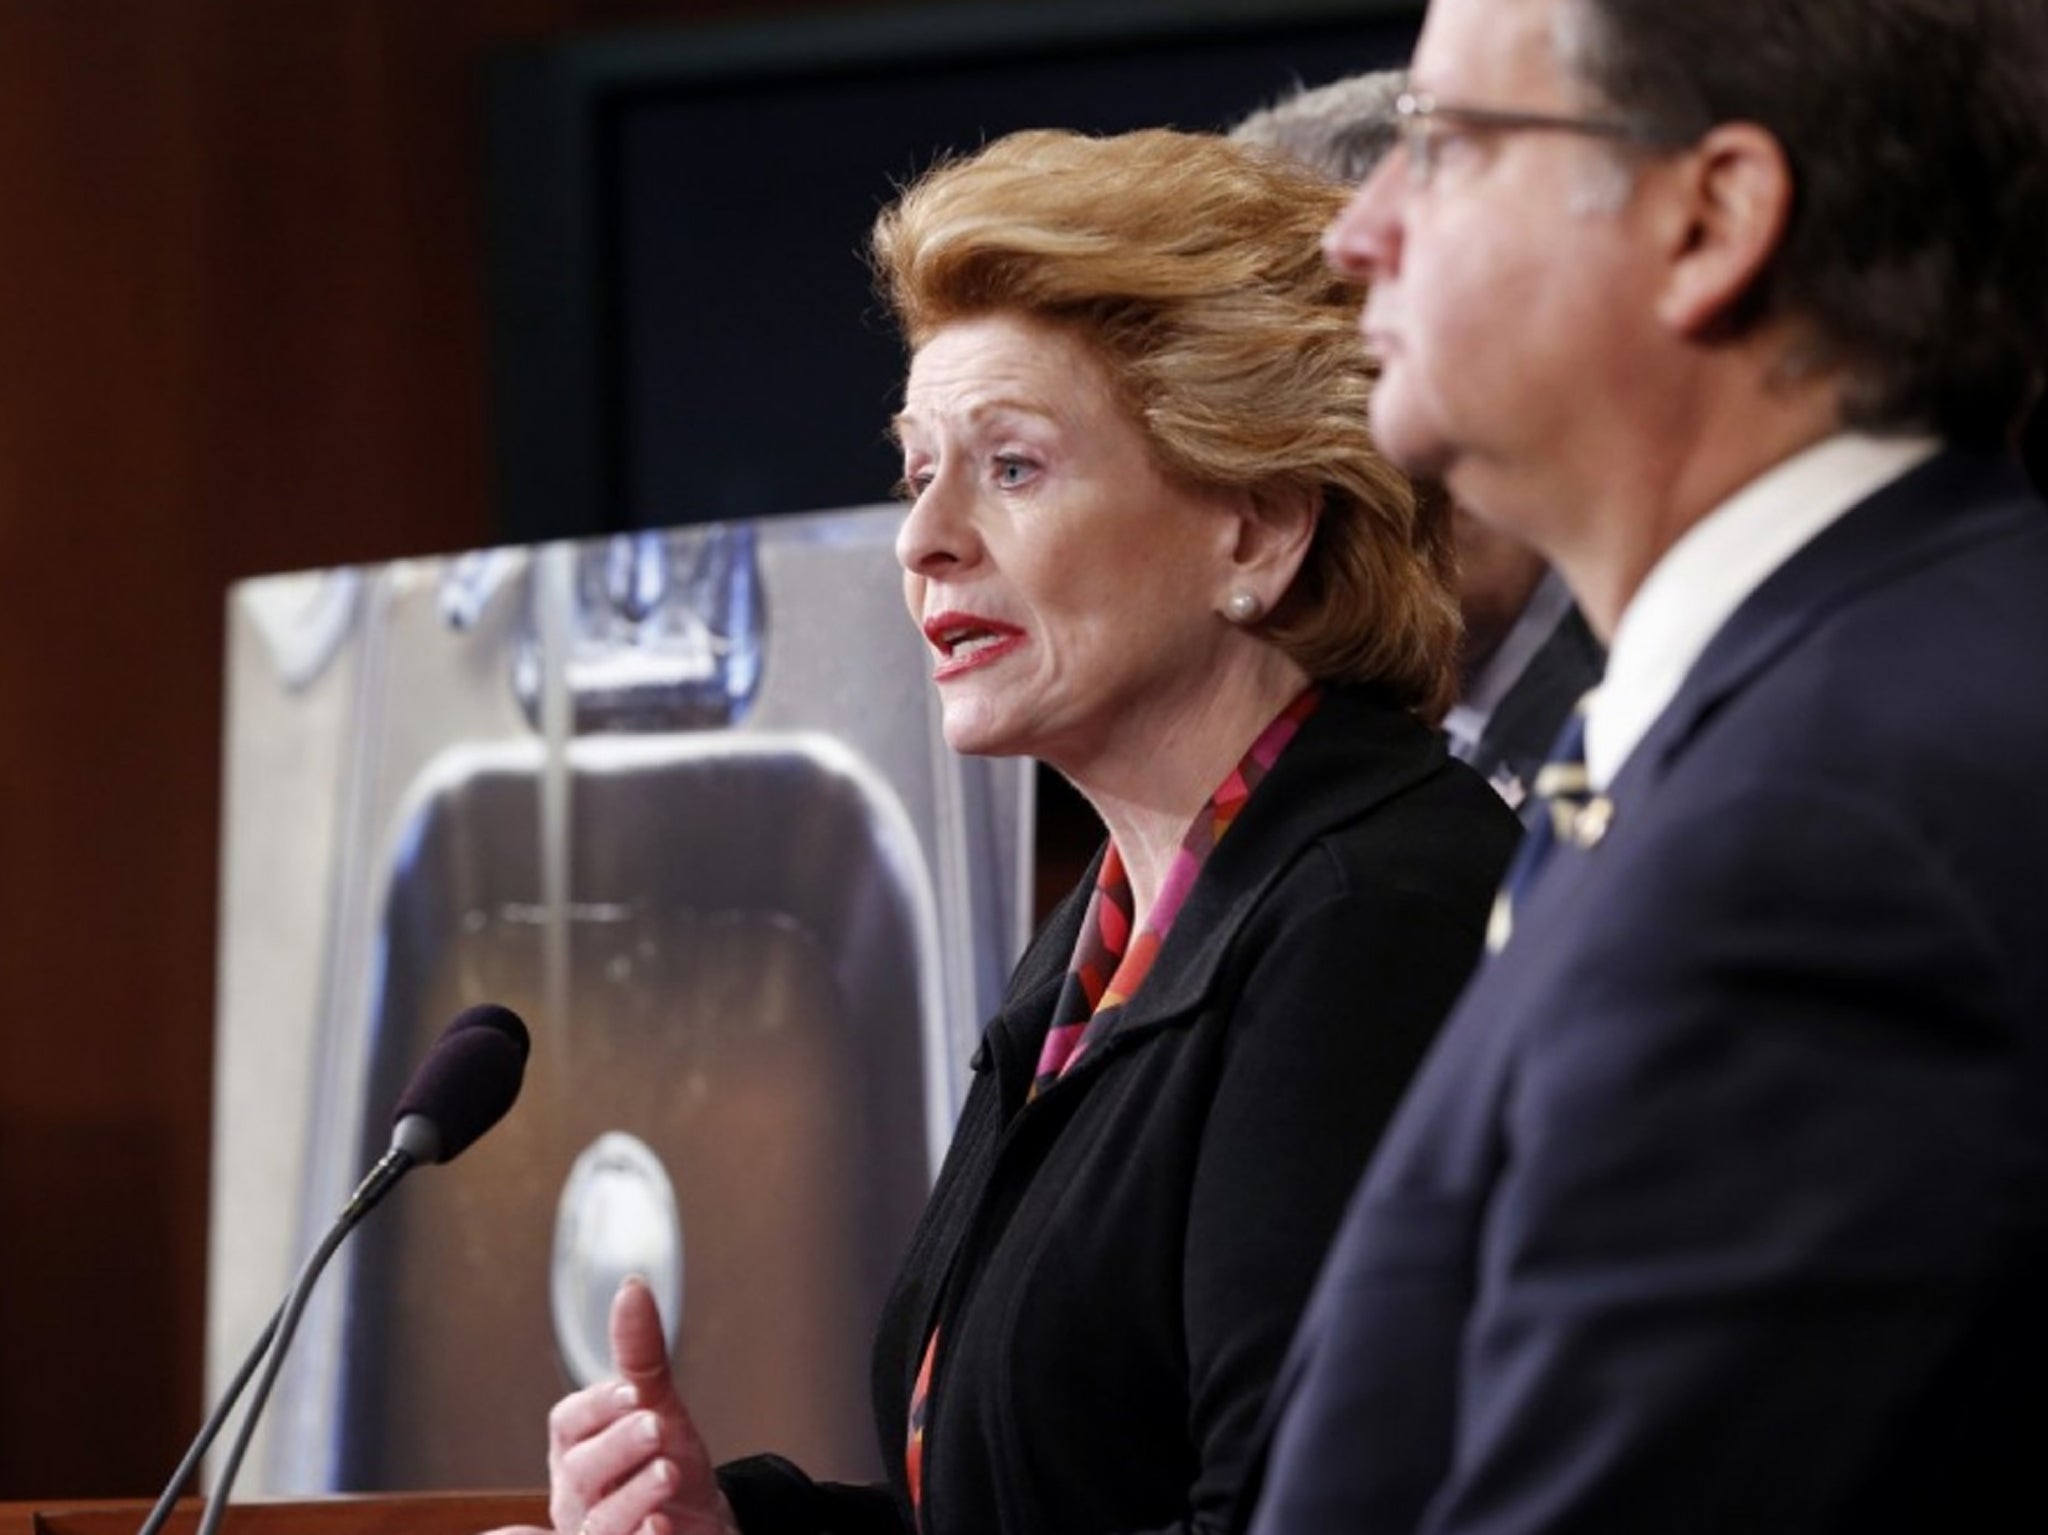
point(426, 1513)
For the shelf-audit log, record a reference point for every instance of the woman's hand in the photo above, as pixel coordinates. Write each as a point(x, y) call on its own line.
point(624, 1458)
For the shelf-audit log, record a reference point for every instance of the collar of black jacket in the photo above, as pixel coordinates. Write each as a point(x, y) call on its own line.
point(1354, 753)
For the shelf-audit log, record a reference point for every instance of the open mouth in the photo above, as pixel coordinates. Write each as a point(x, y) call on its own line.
point(964, 641)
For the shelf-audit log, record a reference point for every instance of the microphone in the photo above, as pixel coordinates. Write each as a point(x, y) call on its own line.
point(464, 1086)
point(467, 1082)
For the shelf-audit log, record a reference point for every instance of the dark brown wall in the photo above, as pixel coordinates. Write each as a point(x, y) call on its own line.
point(240, 330)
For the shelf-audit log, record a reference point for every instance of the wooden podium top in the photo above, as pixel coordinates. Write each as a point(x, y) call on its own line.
point(425, 1513)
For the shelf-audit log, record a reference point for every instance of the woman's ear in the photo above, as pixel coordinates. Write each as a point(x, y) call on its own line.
point(1275, 527)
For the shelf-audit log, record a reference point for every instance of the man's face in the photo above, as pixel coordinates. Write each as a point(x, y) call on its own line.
point(1501, 287)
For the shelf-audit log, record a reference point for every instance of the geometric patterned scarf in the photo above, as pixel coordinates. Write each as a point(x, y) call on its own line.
point(1108, 967)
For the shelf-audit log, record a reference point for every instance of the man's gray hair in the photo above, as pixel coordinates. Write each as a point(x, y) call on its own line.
point(1342, 130)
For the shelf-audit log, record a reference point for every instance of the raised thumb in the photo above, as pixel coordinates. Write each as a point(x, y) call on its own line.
point(638, 1348)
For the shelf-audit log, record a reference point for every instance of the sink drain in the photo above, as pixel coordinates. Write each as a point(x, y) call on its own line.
point(617, 1216)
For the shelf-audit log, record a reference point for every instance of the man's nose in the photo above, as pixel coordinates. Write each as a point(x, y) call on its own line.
point(1364, 241)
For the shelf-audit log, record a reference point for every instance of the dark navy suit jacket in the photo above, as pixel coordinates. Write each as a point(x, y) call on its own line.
point(1722, 1203)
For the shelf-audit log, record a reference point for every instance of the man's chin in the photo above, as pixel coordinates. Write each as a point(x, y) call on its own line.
point(1409, 446)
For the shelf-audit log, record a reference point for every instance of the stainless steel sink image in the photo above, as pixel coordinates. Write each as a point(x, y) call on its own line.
point(753, 938)
point(741, 952)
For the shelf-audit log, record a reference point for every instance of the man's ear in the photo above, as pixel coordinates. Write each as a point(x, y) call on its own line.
point(1729, 199)
point(1274, 529)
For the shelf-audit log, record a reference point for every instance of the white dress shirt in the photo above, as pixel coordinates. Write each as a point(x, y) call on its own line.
point(1704, 577)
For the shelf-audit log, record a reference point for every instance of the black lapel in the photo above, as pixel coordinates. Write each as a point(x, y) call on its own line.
point(1354, 753)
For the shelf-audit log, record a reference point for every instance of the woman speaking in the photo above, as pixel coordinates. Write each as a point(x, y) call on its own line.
point(1150, 543)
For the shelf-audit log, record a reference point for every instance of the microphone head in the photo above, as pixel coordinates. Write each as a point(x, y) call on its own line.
point(464, 1086)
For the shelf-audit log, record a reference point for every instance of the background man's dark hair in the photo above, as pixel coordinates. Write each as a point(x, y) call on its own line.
point(1917, 131)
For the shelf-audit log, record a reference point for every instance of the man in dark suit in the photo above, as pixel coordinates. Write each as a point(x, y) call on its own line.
point(1722, 1203)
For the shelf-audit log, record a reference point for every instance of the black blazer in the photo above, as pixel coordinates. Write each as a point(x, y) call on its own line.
point(1526, 723)
point(1116, 1268)
point(1723, 1203)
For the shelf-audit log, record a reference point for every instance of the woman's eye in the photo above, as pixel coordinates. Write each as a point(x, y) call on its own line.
point(1012, 471)
point(912, 484)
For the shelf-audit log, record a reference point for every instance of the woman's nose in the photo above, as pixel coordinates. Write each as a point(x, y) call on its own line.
point(937, 537)
point(1364, 241)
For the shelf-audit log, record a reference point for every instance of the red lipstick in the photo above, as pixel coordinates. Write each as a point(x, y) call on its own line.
point(966, 641)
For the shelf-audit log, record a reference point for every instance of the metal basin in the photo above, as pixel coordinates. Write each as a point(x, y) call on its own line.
point(718, 942)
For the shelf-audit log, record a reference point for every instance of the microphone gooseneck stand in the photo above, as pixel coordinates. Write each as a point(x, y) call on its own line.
point(392, 1166)
point(276, 1338)
point(465, 1085)
point(211, 1431)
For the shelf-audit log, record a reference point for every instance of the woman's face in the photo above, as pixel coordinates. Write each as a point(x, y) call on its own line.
point(1070, 593)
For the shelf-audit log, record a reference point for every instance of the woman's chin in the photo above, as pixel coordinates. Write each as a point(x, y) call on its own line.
point(973, 736)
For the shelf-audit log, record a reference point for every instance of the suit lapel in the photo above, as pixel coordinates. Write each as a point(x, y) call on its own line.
point(1524, 726)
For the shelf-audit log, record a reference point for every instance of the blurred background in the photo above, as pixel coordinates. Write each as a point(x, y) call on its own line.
point(263, 308)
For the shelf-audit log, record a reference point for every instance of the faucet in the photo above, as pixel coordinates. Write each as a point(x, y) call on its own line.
point(665, 631)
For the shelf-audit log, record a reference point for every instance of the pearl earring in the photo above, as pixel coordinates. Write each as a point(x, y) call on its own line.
point(1242, 607)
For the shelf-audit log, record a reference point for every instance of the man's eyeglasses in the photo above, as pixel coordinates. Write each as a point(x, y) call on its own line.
point(1425, 124)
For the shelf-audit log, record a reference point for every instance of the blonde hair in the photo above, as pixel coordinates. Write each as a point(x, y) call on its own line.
point(1193, 269)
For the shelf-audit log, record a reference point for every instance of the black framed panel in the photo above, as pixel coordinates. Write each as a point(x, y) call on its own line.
point(683, 325)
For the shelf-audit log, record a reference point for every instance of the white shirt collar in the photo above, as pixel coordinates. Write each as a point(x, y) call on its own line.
point(1706, 575)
